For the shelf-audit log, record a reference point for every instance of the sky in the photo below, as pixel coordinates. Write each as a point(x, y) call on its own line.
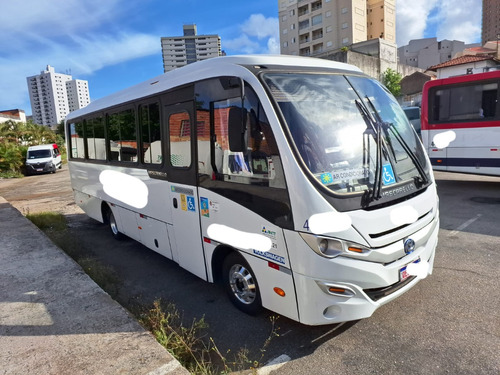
point(114, 44)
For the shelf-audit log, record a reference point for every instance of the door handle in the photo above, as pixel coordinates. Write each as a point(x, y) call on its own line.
point(175, 202)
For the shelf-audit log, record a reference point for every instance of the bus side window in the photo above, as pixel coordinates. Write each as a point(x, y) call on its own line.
point(149, 122)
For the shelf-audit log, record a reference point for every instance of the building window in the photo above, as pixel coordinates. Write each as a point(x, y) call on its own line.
point(345, 41)
point(316, 20)
point(328, 14)
point(344, 10)
point(344, 25)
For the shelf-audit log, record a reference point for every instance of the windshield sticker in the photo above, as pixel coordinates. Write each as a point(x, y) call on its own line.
point(388, 175)
point(326, 178)
point(350, 174)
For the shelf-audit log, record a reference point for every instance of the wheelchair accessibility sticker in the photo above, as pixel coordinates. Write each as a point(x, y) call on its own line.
point(388, 175)
point(190, 204)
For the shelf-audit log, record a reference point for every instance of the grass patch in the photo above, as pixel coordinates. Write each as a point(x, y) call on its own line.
point(104, 276)
point(11, 174)
point(48, 220)
point(189, 344)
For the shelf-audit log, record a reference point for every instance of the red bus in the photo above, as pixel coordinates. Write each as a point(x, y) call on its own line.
point(461, 123)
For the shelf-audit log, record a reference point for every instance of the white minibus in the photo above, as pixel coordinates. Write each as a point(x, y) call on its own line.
point(297, 183)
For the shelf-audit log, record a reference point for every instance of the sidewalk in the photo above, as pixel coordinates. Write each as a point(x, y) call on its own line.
point(55, 320)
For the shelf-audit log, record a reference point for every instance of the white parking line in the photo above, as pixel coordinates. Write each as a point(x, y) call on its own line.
point(274, 364)
point(465, 225)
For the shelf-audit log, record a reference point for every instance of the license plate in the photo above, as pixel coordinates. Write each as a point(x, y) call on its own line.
point(403, 272)
point(39, 170)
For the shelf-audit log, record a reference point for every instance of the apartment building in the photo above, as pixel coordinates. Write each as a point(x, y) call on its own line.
point(311, 27)
point(78, 94)
point(422, 53)
point(178, 51)
point(491, 21)
point(50, 95)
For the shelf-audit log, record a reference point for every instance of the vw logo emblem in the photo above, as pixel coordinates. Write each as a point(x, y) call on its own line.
point(409, 246)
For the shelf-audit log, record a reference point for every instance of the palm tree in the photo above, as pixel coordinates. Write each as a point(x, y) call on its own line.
point(39, 134)
point(13, 131)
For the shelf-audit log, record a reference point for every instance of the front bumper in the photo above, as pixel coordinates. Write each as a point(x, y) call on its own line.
point(39, 168)
point(368, 286)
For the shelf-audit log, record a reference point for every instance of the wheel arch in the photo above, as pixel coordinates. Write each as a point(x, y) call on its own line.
point(220, 253)
point(105, 208)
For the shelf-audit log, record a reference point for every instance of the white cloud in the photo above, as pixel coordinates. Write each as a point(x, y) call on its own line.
point(68, 35)
point(411, 19)
point(254, 30)
point(443, 19)
point(241, 44)
point(460, 20)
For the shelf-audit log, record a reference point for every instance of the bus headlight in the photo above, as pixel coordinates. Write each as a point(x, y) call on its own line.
point(331, 247)
point(326, 247)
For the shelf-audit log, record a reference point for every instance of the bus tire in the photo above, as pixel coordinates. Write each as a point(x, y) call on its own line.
point(113, 227)
point(240, 284)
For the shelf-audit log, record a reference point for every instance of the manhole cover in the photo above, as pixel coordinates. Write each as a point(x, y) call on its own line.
point(487, 200)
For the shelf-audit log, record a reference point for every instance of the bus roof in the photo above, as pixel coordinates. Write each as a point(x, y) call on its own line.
point(201, 70)
point(462, 79)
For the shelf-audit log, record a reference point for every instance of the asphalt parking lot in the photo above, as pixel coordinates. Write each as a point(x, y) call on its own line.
point(448, 324)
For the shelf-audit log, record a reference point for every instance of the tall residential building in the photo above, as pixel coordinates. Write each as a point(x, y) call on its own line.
point(53, 95)
point(178, 51)
point(310, 27)
point(491, 21)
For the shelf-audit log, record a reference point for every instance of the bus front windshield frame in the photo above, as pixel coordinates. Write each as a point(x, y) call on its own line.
point(350, 132)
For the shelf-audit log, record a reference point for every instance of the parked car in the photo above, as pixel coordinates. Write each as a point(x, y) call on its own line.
point(43, 159)
point(413, 114)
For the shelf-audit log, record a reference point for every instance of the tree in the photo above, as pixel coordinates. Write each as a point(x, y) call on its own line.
point(392, 80)
point(39, 134)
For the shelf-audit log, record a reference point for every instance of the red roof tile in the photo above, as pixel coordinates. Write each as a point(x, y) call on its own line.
point(461, 60)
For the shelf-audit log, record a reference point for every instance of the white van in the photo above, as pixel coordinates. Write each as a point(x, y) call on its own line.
point(43, 159)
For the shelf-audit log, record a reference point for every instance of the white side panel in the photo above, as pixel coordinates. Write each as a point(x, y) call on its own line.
point(186, 226)
point(219, 212)
point(173, 243)
point(89, 204)
point(127, 222)
point(154, 235)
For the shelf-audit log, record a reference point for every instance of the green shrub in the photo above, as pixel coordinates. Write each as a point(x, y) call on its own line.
point(11, 157)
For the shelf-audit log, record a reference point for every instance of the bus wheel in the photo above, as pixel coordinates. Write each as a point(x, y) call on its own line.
point(241, 285)
point(112, 225)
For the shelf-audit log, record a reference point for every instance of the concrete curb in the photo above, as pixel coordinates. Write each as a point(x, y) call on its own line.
point(55, 320)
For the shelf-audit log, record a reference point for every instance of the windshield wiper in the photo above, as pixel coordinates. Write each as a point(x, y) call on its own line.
point(375, 126)
point(403, 143)
point(423, 176)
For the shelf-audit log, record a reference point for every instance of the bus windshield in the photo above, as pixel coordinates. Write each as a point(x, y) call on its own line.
point(350, 132)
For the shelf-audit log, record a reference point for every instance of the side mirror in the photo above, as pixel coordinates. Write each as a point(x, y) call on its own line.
point(237, 129)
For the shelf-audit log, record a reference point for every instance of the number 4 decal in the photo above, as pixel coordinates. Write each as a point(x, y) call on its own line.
point(306, 225)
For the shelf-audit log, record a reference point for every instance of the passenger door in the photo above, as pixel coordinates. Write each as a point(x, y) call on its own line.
point(185, 232)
